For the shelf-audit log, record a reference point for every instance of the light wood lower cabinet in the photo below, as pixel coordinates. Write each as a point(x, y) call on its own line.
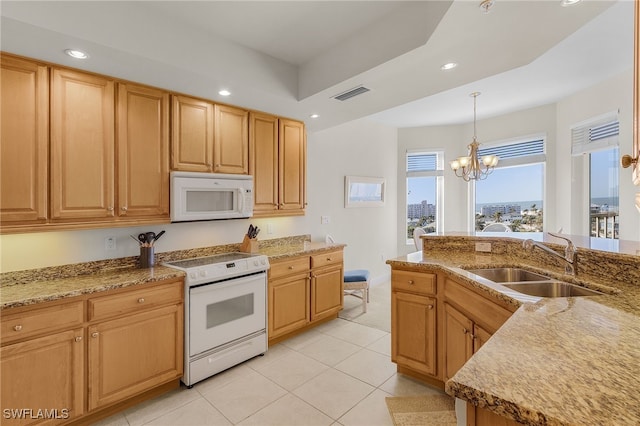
point(413, 321)
point(53, 358)
point(304, 290)
point(45, 373)
point(132, 354)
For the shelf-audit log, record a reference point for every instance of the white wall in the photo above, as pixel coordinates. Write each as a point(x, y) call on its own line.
point(358, 148)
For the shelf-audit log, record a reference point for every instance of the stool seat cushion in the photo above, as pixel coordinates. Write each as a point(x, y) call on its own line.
point(356, 275)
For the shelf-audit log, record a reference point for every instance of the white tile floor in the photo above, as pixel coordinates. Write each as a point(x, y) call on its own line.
point(335, 374)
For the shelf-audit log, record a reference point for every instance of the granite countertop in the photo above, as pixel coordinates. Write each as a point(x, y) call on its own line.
point(29, 287)
point(556, 361)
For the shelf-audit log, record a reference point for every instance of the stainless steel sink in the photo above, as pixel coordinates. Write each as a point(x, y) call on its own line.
point(551, 289)
point(508, 275)
point(532, 283)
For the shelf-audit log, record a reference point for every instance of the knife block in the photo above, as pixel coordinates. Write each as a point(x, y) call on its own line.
point(249, 245)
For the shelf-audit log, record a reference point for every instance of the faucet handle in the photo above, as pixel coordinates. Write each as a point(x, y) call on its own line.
point(569, 242)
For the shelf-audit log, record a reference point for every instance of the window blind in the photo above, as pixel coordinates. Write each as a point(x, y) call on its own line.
point(598, 135)
point(525, 152)
point(423, 164)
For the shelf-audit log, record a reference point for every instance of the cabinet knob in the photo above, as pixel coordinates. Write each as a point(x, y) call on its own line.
point(465, 331)
point(110, 208)
point(78, 338)
point(410, 282)
point(17, 327)
point(123, 208)
point(141, 300)
point(627, 160)
point(290, 267)
point(329, 259)
point(430, 306)
point(94, 334)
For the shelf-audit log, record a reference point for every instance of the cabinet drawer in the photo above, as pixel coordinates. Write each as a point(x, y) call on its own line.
point(287, 267)
point(325, 259)
point(41, 320)
point(134, 300)
point(415, 282)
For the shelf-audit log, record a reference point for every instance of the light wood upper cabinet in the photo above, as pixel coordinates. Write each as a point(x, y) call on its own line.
point(24, 141)
point(143, 152)
point(193, 134)
point(82, 146)
point(278, 164)
point(263, 148)
point(231, 142)
point(292, 165)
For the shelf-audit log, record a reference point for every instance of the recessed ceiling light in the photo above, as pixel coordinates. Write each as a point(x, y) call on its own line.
point(569, 2)
point(448, 66)
point(224, 92)
point(314, 116)
point(78, 54)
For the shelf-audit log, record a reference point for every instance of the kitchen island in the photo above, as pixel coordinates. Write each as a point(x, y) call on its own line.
point(555, 361)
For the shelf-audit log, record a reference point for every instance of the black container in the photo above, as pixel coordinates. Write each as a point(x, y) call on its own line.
point(147, 257)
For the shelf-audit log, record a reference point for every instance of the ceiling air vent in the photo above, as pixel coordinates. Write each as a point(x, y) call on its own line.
point(351, 93)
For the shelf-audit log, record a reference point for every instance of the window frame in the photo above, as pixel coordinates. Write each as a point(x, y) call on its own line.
point(438, 173)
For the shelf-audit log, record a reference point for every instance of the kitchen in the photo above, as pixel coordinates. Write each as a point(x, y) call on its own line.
point(371, 143)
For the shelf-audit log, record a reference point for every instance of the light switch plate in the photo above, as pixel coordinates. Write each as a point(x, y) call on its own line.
point(324, 220)
point(110, 243)
point(483, 247)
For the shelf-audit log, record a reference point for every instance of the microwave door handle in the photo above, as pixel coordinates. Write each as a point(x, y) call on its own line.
point(240, 201)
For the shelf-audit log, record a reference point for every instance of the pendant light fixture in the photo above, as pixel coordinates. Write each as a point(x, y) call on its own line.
point(471, 167)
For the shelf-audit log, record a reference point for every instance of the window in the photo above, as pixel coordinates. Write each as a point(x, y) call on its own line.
point(511, 198)
point(424, 191)
point(597, 140)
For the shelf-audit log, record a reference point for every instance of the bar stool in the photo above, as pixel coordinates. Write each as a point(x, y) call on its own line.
point(356, 283)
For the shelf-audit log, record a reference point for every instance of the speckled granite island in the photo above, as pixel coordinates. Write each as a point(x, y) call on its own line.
point(556, 361)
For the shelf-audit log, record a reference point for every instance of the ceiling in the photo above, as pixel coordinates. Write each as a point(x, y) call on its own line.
point(291, 57)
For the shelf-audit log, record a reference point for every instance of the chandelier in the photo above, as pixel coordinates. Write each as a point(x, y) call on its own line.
point(471, 167)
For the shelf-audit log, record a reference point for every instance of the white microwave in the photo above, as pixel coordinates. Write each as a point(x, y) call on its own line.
point(210, 196)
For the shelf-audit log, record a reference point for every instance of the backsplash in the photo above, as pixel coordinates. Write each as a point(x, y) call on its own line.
point(599, 265)
point(110, 265)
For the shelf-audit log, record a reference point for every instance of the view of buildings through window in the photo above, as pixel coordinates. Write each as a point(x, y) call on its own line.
point(424, 176)
point(512, 196)
point(603, 193)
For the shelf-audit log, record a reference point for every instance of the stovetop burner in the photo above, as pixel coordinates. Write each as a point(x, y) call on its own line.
point(209, 260)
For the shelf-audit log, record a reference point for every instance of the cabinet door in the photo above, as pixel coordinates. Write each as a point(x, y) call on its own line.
point(263, 164)
point(326, 292)
point(135, 353)
point(24, 141)
point(288, 304)
point(143, 152)
point(44, 373)
point(458, 340)
point(231, 143)
point(192, 131)
point(480, 337)
point(413, 331)
point(82, 146)
point(292, 158)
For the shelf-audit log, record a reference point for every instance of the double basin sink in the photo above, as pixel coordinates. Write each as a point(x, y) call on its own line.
point(532, 283)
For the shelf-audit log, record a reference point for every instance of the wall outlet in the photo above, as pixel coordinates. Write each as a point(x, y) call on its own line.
point(110, 243)
point(325, 220)
point(483, 247)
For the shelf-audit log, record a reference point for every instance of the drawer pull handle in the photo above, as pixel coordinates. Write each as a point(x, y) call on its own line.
point(17, 327)
point(78, 338)
point(94, 334)
point(141, 300)
point(290, 267)
point(410, 282)
point(328, 259)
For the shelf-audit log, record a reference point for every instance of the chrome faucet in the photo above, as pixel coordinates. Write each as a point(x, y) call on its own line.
point(570, 252)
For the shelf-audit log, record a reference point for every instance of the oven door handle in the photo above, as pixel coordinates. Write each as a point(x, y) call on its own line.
point(230, 283)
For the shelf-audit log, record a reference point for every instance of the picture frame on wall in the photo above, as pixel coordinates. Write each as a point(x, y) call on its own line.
point(362, 191)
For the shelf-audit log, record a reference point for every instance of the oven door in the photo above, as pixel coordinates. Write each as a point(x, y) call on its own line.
point(222, 312)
